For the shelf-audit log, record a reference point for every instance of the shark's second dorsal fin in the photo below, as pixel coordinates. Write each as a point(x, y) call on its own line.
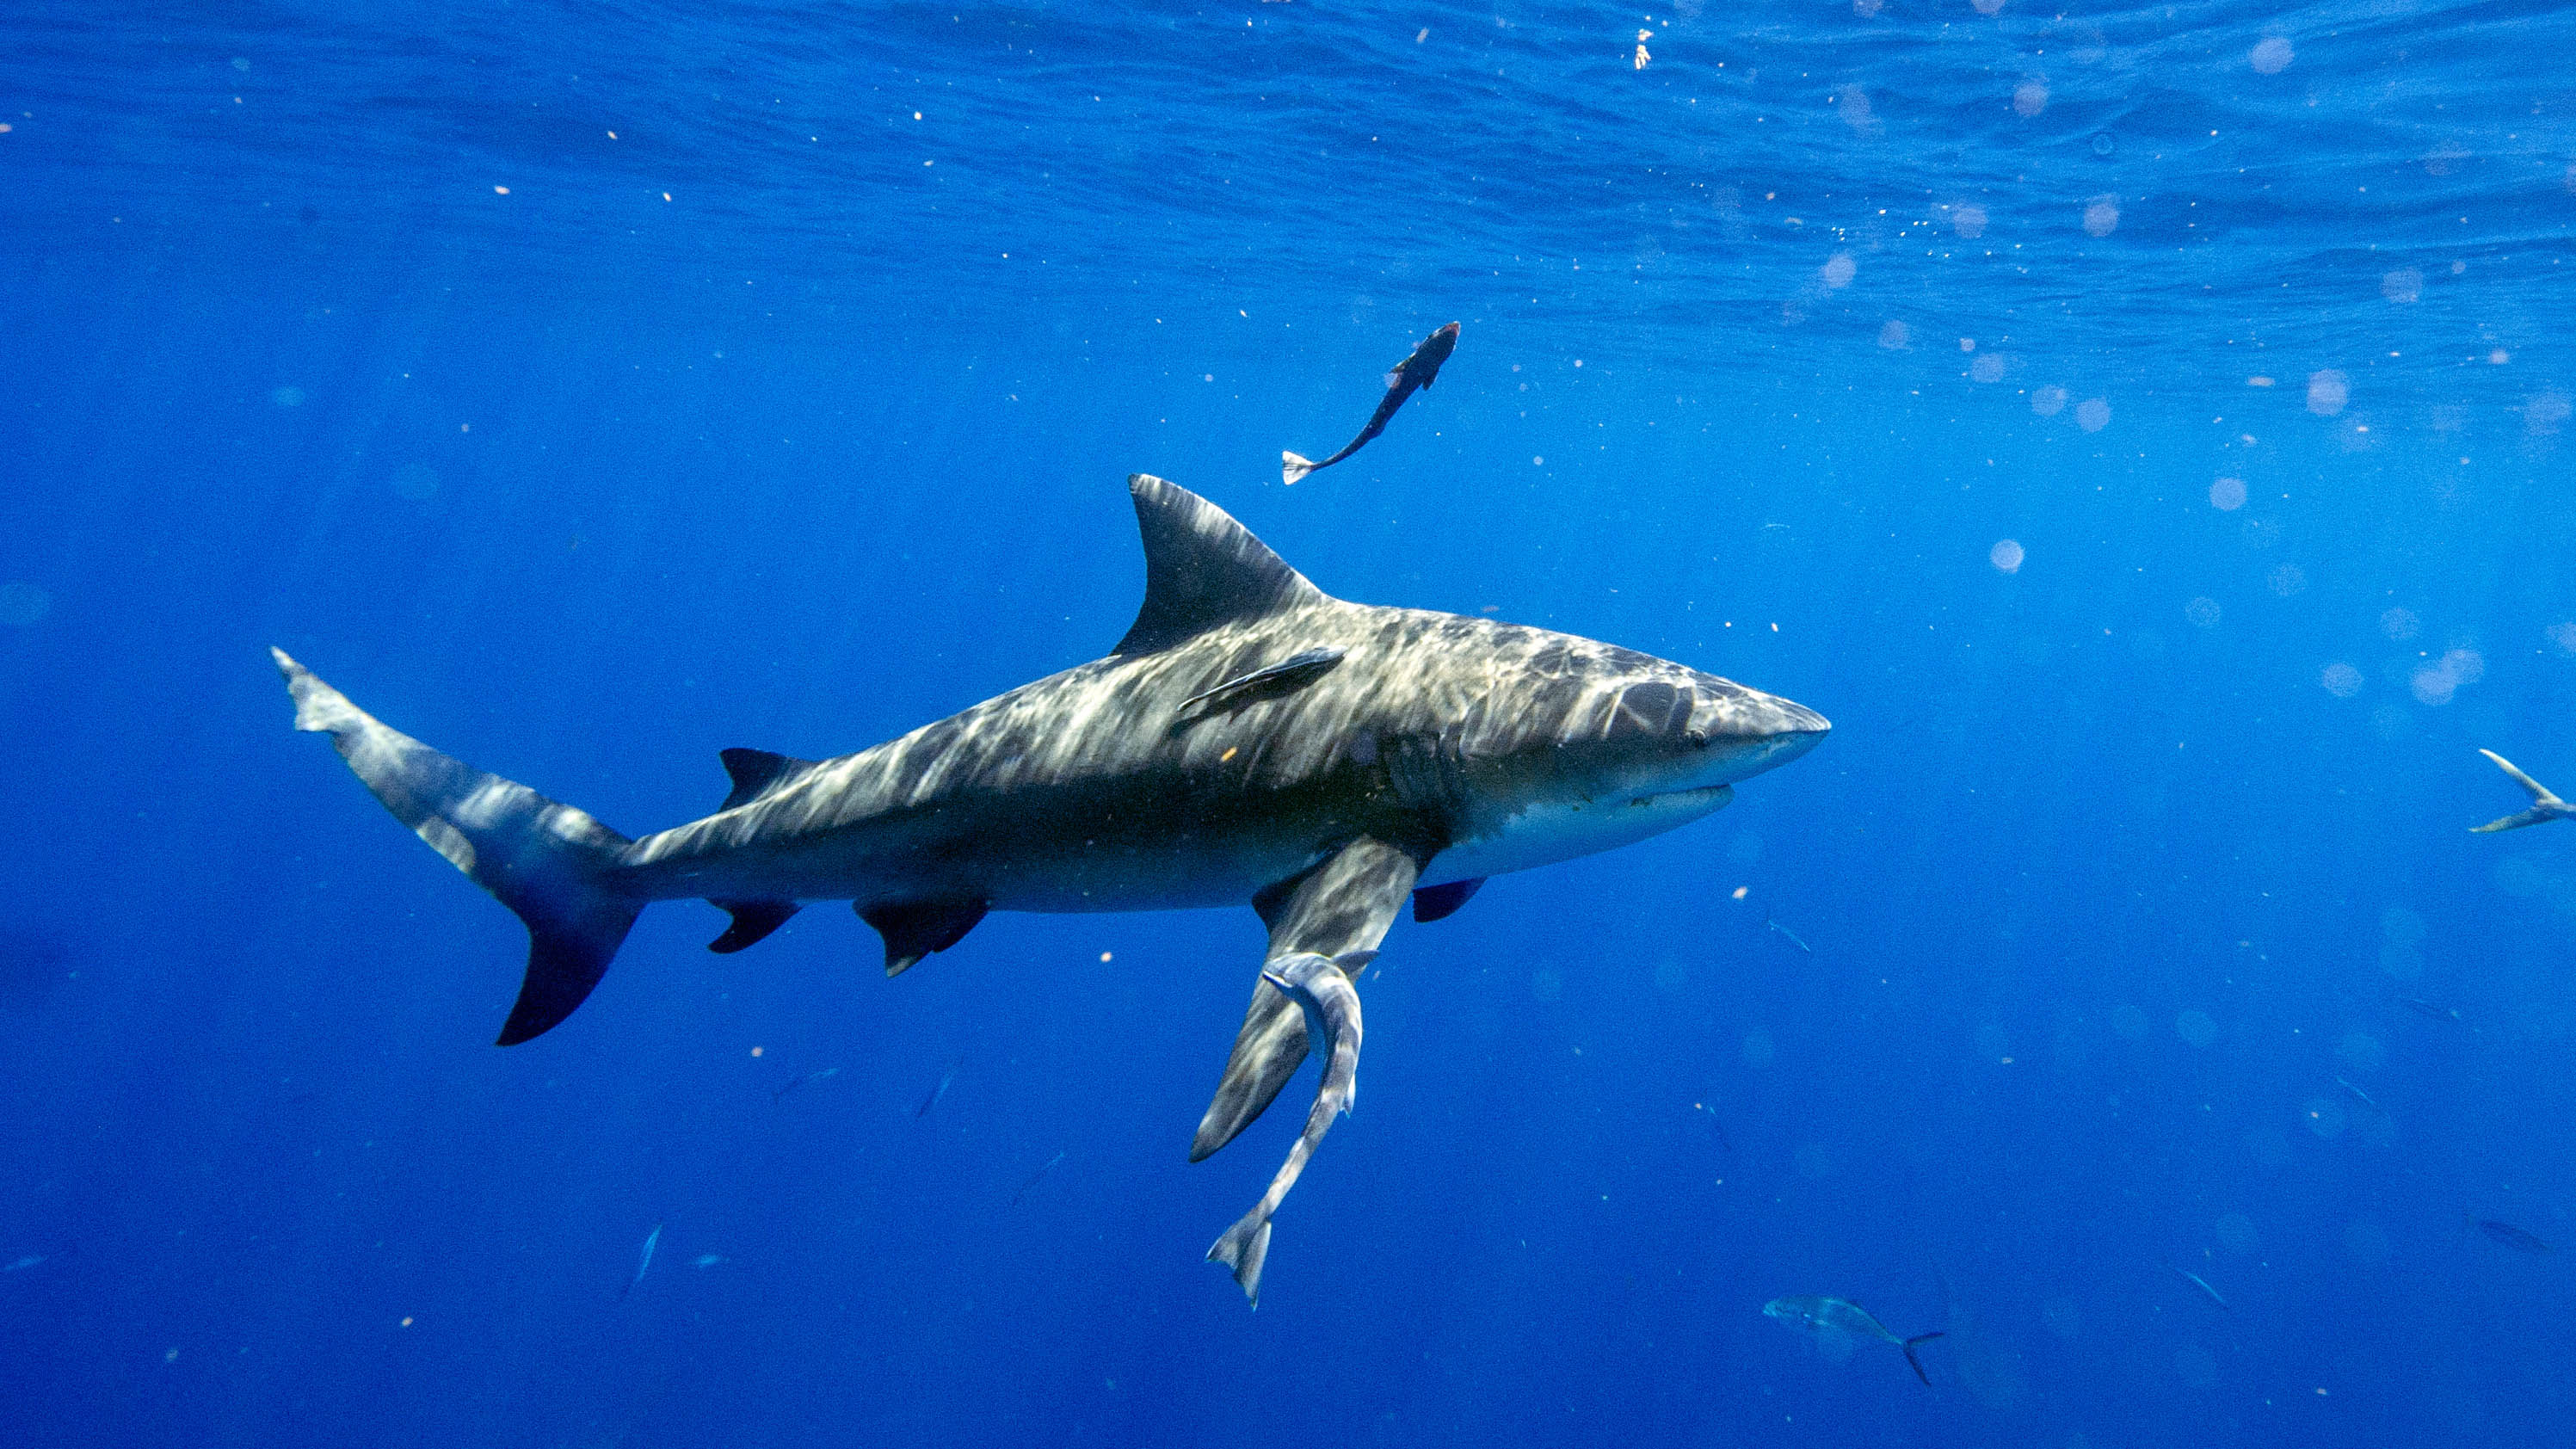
point(1202, 569)
point(757, 772)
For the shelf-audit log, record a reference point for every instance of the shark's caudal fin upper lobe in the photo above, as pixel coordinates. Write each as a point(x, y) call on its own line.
point(550, 863)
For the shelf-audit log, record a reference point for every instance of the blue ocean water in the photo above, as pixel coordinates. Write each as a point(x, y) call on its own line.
point(2143, 431)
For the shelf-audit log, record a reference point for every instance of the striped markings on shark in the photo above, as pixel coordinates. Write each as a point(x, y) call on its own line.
point(1251, 738)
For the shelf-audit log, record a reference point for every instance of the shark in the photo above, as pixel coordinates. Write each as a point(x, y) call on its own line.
point(1249, 740)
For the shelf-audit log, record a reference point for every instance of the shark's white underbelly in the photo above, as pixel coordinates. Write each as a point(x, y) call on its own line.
point(1550, 831)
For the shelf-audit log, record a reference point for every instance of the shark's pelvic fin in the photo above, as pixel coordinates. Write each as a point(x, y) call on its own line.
point(550, 863)
point(1438, 903)
point(914, 929)
point(2544, 805)
point(752, 923)
point(1202, 569)
point(1343, 905)
point(756, 773)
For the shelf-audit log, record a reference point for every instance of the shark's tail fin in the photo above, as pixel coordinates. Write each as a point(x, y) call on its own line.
point(1908, 1346)
point(1293, 467)
point(1244, 1248)
point(548, 862)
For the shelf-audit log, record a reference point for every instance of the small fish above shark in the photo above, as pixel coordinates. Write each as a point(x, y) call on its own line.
point(1250, 740)
point(1415, 372)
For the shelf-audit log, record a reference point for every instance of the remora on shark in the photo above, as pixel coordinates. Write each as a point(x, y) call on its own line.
point(1250, 739)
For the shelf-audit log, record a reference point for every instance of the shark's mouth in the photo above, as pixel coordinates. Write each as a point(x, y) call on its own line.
point(1707, 795)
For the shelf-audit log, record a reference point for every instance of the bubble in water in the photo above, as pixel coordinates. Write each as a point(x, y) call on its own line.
point(2227, 494)
point(2547, 412)
point(1838, 270)
point(2030, 97)
point(2202, 611)
point(1968, 220)
point(2400, 624)
point(2236, 1233)
point(2006, 556)
point(2093, 414)
point(2103, 145)
point(1868, 9)
point(1547, 983)
point(2433, 685)
point(287, 397)
point(1987, 368)
point(2563, 636)
point(2196, 1027)
point(2324, 1117)
point(2287, 579)
point(2101, 216)
point(2402, 960)
point(1669, 975)
point(1758, 1050)
point(2361, 1051)
point(1987, 7)
point(1854, 105)
point(2406, 284)
point(2196, 1366)
point(2367, 1242)
point(2328, 391)
point(2400, 924)
point(23, 603)
point(2467, 666)
point(1895, 336)
point(2271, 55)
point(2341, 680)
point(416, 481)
point(2129, 1022)
point(2048, 401)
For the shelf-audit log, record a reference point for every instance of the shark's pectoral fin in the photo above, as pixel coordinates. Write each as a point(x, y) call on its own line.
point(1435, 903)
point(1343, 905)
point(752, 923)
point(914, 929)
point(1267, 1052)
point(2534, 816)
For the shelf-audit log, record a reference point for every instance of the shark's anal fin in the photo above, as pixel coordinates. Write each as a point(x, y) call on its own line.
point(1343, 905)
point(757, 772)
point(914, 929)
point(1438, 903)
point(752, 922)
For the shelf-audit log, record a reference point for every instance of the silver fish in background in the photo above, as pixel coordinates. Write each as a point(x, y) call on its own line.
point(2545, 806)
point(1340, 758)
point(2505, 1233)
point(2197, 1281)
point(1820, 1315)
point(652, 1240)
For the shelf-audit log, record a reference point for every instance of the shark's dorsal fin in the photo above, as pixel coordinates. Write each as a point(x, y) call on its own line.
point(757, 772)
point(1202, 569)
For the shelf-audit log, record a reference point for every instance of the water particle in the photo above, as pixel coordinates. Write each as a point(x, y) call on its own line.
point(2030, 98)
point(2101, 215)
point(23, 603)
point(2227, 494)
point(2328, 391)
point(2203, 611)
point(2270, 56)
point(2196, 1027)
point(2341, 680)
point(2006, 556)
point(2093, 414)
point(2048, 401)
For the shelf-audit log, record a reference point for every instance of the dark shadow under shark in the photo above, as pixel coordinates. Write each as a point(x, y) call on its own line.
point(1251, 738)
